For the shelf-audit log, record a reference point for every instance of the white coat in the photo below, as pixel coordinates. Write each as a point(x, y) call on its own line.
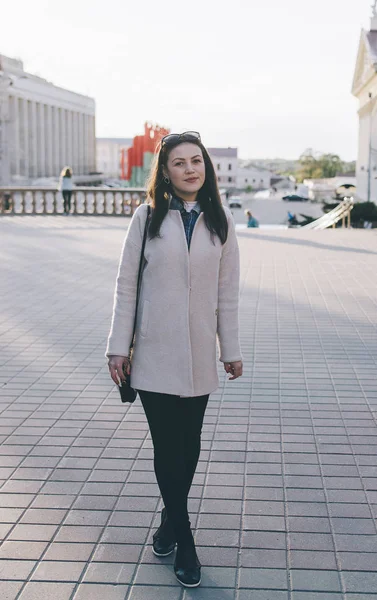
point(187, 297)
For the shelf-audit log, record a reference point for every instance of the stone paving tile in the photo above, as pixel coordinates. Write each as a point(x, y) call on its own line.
point(22, 550)
point(284, 501)
point(9, 589)
point(109, 573)
point(317, 596)
point(15, 569)
point(310, 580)
point(142, 592)
point(47, 591)
point(95, 591)
point(360, 582)
point(58, 571)
point(275, 579)
point(262, 595)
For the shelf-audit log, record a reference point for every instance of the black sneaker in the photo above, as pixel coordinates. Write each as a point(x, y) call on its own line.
point(164, 538)
point(187, 566)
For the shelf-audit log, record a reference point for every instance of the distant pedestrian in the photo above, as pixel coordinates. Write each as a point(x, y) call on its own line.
point(251, 221)
point(292, 219)
point(188, 297)
point(65, 187)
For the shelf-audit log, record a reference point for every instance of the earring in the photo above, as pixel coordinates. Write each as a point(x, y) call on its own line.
point(167, 180)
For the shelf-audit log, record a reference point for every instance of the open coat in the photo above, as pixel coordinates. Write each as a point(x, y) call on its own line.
point(186, 298)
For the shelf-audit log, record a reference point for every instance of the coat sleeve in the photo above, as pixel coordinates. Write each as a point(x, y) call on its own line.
point(228, 297)
point(119, 339)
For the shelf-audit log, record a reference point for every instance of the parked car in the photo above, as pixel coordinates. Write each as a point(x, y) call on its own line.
point(295, 198)
point(235, 202)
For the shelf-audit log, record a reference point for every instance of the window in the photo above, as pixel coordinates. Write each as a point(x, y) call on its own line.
point(219, 179)
point(245, 180)
point(218, 166)
point(229, 166)
point(261, 180)
point(230, 179)
point(253, 180)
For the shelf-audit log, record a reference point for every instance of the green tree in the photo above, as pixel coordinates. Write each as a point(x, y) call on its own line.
point(314, 165)
point(331, 164)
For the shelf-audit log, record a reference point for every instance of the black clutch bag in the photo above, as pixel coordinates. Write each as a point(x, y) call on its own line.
point(128, 393)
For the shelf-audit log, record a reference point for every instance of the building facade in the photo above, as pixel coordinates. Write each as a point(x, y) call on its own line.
point(112, 156)
point(225, 161)
point(326, 189)
point(253, 177)
point(365, 89)
point(42, 127)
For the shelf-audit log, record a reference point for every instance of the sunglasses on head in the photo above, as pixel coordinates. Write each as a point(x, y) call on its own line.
point(171, 138)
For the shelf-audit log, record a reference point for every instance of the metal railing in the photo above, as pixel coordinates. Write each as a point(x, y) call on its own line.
point(85, 201)
point(342, 211)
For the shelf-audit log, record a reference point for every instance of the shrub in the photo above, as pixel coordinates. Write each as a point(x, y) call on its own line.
point(362, 211)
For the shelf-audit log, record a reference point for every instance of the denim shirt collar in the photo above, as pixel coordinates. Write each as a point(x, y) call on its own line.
point(177, 204)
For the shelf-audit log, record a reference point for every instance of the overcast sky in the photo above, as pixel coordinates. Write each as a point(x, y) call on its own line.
point(272, 77)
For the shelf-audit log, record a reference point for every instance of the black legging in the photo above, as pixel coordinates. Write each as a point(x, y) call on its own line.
point(175, 424)
point(67, 200)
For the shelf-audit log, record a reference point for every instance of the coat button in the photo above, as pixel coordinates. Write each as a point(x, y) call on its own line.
point(216, 311)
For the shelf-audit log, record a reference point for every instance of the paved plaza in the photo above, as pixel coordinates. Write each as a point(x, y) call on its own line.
point(284, 503)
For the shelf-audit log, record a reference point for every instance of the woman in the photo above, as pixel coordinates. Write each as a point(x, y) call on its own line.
point(66, 187)
point(189, 292)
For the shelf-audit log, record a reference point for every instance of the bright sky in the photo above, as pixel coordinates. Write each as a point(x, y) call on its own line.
point(272, 77)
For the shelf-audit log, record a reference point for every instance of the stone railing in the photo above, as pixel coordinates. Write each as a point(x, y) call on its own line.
point(85, 201)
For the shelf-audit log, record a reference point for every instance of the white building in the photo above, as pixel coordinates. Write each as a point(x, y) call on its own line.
point(326, 188)
point(365, 89)
point(254, 177)
point(42, 127)
point(112, 156)
point(225, 161)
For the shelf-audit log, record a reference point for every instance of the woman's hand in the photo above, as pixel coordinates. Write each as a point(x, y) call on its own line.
point(234, 368)
point(115, 365)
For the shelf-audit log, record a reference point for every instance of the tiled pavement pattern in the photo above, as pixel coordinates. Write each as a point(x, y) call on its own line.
point(286, 489)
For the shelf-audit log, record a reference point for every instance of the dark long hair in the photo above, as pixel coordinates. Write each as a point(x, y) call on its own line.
point(208, 196)
point(66, 172)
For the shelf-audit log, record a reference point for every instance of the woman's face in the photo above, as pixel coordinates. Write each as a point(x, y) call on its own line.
point(186, 169)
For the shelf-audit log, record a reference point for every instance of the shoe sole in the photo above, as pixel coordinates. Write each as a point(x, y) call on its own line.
point(167, 554)
point(189, 585)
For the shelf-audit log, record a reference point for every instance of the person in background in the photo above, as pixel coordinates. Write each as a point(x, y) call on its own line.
point(251, 221)
point(66, 187)
point(292, 219)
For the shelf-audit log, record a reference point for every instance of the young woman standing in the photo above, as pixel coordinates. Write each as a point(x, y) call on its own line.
point(189, 295)
point(66, 187)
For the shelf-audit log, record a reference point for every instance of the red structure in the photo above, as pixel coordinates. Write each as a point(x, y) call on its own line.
point(142, 145)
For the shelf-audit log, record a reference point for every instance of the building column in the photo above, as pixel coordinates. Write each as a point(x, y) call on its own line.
point(92, 143)
point(81, 143)
point(20, 108)
point(14, 137)
point(4, 135)
point(85, 144)
point(74, 142)
point(77, 143)
point(62, 130)
point(68, 128)
point(56, 136)
point(41, 140)
point(24, 138)
point(33, 140)
point(48, 140)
